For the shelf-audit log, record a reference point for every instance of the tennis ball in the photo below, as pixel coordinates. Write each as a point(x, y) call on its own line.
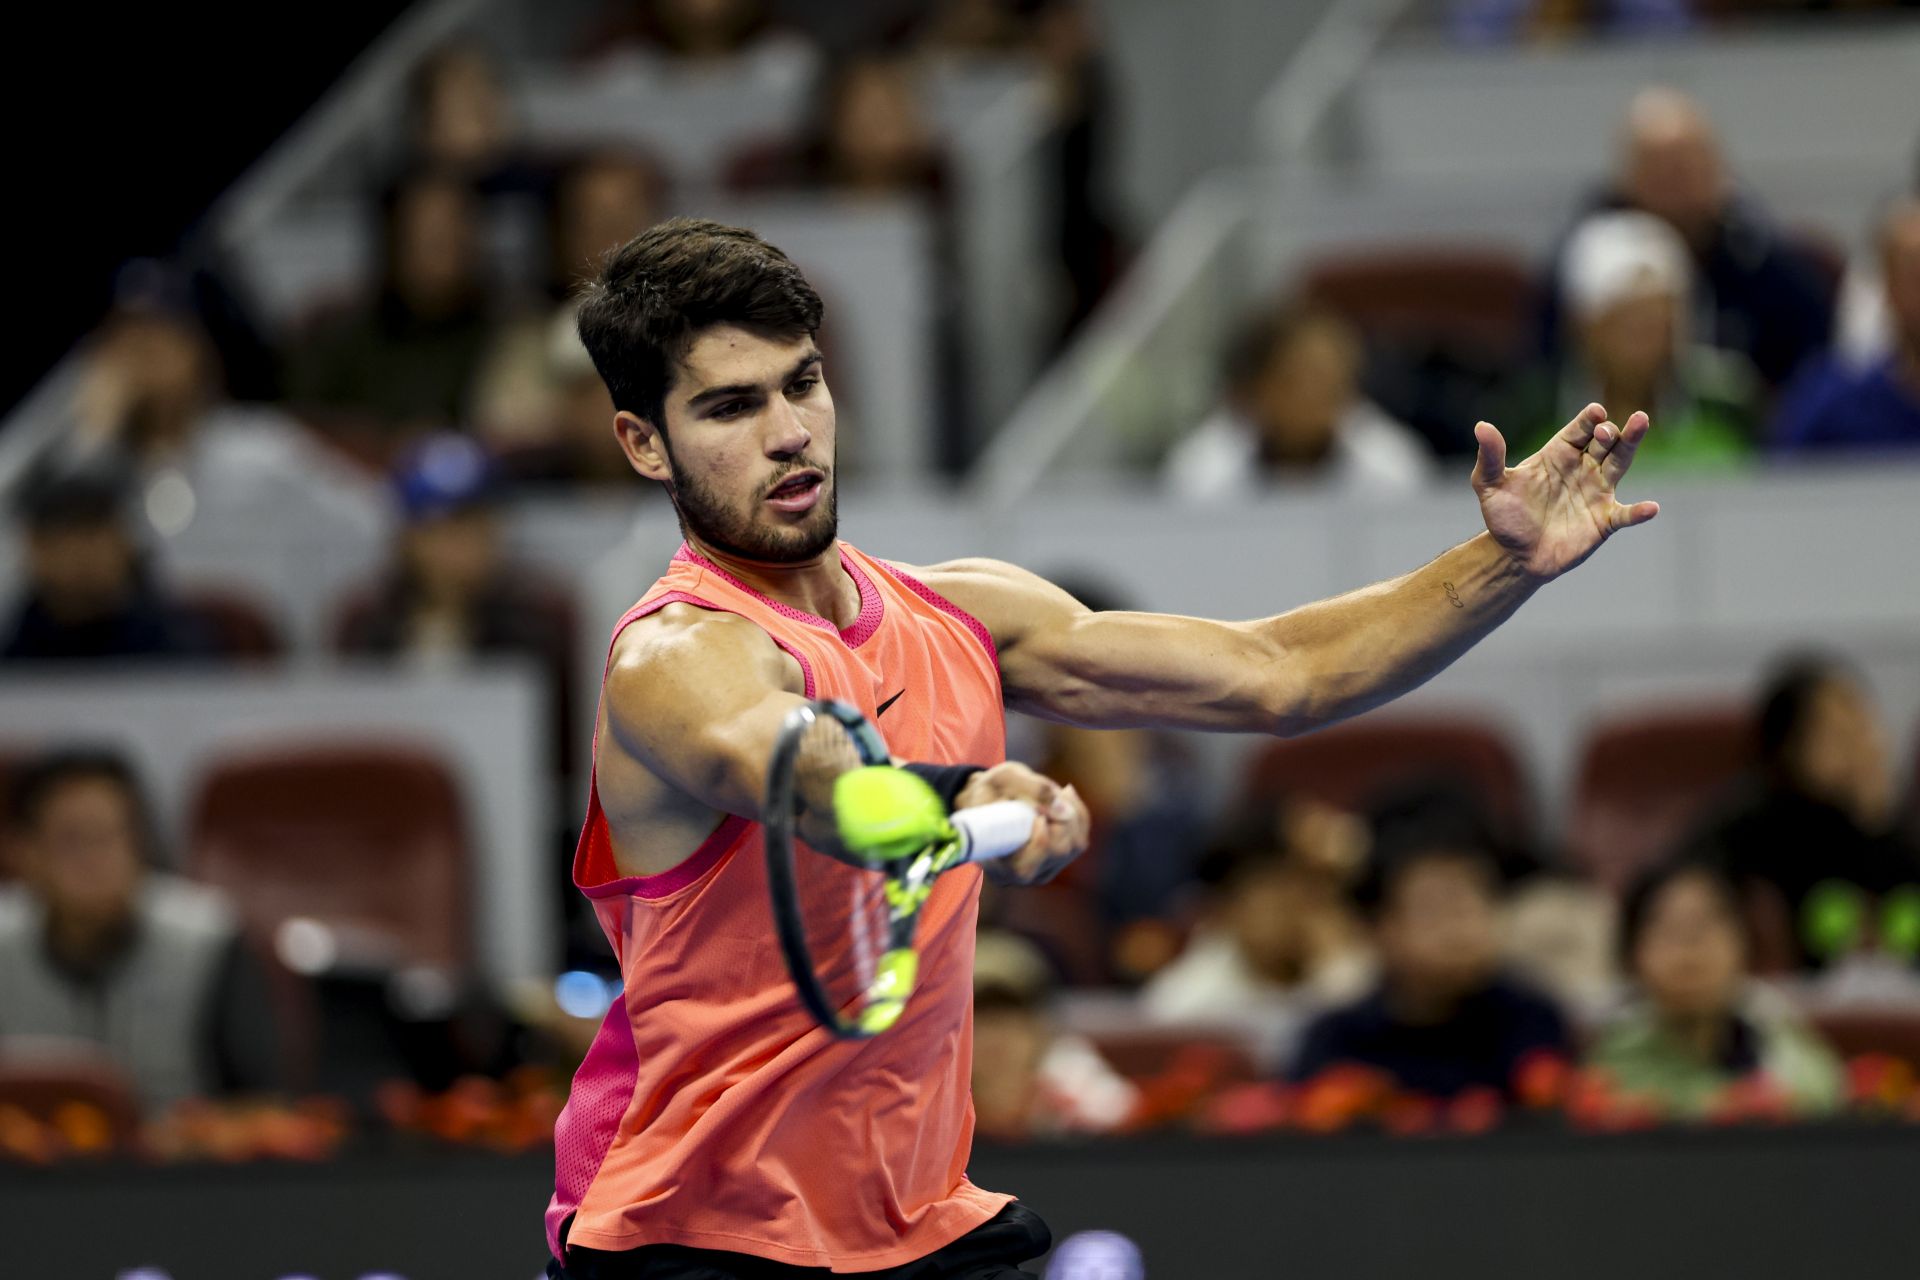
point(887, 813)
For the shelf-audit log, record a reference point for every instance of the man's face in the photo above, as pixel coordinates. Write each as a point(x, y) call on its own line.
point(1438, 931)
point(1304, 391)
point(1689, 957)
point(1673, 171)
point(82, 857)
point(749, 447)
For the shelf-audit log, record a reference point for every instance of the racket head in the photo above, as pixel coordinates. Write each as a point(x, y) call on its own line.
point(831, 913)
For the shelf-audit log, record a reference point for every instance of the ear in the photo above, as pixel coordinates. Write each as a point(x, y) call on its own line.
point(645, 446)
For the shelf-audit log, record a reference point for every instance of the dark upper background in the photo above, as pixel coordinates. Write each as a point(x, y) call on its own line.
point(130, 122)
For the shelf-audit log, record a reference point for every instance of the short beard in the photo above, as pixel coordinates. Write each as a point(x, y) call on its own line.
point(704, 514)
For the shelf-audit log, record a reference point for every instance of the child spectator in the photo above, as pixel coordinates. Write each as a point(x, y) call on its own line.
point(1443, 1017)
point(1698, 1026)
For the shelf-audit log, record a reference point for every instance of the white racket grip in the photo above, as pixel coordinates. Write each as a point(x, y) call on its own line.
point(994, 830)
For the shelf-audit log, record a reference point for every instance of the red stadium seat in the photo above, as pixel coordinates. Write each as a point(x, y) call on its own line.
point(1892, 1030)
point(367, 839)
point(240, 628)
point(1479, 299)
point(1646, 779)
point(1142, 1053)
point(48, 1085)
point(1352, 764)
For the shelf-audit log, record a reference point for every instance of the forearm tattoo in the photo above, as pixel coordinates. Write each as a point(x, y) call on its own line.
point(1454, 596)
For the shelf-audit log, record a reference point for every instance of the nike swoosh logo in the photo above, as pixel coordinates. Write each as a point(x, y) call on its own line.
point(882, 709)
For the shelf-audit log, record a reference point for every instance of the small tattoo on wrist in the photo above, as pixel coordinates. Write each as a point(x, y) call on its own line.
point(1454, 596)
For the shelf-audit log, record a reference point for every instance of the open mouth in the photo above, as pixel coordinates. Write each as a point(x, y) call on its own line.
point(798, 492)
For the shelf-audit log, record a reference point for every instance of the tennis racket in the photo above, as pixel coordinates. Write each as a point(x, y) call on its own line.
point(853, 846)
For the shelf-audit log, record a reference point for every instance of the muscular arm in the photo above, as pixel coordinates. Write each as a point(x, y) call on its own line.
point(694, 700)
point(693, 705)
point(1322, 662)
point(1280, 675)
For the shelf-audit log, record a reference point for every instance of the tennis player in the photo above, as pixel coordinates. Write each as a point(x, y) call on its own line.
point(714, 1129)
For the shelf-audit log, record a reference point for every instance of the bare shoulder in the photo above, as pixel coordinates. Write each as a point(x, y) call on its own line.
point(1009, 600)
point(684, 647)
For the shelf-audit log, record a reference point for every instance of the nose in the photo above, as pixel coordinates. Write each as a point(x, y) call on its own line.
point(786, 436)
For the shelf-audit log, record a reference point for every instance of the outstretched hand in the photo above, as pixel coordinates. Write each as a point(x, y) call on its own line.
point(1551, 511)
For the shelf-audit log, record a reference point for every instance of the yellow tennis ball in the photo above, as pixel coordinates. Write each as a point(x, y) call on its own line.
point(887, 813)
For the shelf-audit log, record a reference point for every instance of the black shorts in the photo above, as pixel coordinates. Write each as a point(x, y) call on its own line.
point(991, 1251)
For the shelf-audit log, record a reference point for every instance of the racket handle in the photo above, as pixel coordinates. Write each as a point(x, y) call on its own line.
point(994, 830)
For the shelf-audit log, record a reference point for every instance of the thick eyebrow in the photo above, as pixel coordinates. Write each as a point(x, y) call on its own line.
point(713, 395)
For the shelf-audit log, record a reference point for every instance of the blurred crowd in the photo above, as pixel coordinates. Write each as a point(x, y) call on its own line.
point(1672, 289)
point(1390, 953)
point(1412, 951)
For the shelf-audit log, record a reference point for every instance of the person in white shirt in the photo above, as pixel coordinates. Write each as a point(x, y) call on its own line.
point(1293, 408)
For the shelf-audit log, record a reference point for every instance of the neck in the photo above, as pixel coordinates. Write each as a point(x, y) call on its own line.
point(819, 585)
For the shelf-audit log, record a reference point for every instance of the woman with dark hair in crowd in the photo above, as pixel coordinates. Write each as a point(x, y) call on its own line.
point(1697, 1028)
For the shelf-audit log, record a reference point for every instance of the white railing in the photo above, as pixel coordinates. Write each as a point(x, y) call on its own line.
point(1134, 374)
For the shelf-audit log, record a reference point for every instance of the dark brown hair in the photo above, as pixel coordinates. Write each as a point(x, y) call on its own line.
point(658, 291)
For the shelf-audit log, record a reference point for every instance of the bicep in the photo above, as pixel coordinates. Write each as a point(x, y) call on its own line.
point(1122, 670)
point(1114, 669)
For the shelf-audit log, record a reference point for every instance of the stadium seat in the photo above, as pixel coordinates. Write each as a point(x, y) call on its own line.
point(1226, 1054)
point(1480, 300)
point(366, 839)
point(1645, 779)
point(1353, 764)
point(240, 628)
point(71, 1086)
point(1892, 1030)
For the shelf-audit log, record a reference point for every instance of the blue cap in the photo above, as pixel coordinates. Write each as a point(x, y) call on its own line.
point(443, 474)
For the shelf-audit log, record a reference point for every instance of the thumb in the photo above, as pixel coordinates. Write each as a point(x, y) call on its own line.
point(1491, 463)
point(1639, 513)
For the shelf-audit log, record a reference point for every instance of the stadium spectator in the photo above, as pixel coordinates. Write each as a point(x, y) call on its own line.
point(1835, 406)
point(1443, 1018)
point(1811, 842)
point(462, 121)
point(452, 595)
point(1756, 292)
point(1063, 37)
point(1276, 933)
point(1030, 1078)
point(869, 136)
point(1293, 409)
point(524, 386)
point(151, 397)
point(96, 946)
point(90, 592)
point(1626, 281)
point(402, 362)
point(568, 439)
point(1698, 1029)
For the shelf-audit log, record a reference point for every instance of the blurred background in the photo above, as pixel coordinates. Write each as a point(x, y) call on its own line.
point(1599, 952)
